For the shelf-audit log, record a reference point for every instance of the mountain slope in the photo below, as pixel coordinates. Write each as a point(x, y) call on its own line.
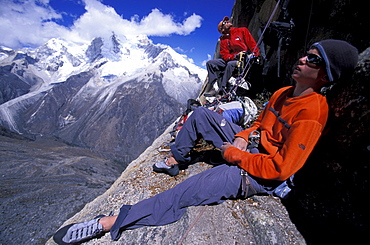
point(114, 95)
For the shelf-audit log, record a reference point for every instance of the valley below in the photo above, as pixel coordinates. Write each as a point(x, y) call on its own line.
point(45, 182)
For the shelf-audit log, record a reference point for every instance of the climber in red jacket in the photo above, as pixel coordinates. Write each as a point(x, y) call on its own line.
point(233, 43)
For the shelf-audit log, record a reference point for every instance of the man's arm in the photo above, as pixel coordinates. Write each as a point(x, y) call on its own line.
point(287, 160)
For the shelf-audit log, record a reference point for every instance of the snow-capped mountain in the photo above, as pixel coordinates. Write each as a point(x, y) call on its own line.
point(115, 94)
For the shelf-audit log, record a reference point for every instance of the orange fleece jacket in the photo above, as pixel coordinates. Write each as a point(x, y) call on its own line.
point(288, 135)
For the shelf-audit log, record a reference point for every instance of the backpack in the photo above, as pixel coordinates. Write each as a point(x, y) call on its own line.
point(191, 105)
point(241, 111)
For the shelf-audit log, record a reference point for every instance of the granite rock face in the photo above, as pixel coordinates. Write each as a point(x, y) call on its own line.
point(257, 220)
point(305, 22)
point(329, 205)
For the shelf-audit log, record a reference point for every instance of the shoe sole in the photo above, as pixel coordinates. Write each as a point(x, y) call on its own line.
point(171, 172)
point(60, 234)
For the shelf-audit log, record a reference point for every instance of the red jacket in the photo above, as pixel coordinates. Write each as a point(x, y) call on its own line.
point(239, 39)
point(288, 140)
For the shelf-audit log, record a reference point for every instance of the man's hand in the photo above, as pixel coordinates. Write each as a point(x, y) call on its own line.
point(239, 143)
point(225, 146)
point(238, 55)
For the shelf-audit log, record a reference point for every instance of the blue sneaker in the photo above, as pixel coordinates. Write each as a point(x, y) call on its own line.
point(161, 167)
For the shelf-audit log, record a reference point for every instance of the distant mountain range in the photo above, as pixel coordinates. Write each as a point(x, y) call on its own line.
point(114, 95)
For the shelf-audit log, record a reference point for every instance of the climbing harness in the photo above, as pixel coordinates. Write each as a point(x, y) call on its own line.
point(244, 64)
point(253, 142)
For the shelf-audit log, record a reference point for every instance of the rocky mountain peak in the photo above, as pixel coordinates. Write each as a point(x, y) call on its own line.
point(115, 44)
point(73, 88)
point(94, 51)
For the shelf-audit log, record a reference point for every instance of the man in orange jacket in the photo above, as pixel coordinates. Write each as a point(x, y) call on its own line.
point(289, 126)
point(233, 42)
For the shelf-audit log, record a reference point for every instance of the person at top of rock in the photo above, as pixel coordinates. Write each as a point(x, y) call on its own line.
point(234, 42)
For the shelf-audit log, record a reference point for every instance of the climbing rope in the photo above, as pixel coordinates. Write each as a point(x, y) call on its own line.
point(308, 26)
point(192, 224)
point(261, 37)
point(241, 78)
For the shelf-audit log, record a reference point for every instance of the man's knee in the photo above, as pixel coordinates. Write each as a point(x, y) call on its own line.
point(231, 64)
point(210, 63)
point(200, 111)
point(216, 63)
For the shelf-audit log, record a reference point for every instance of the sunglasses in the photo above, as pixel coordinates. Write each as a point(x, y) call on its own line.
point(314, 60)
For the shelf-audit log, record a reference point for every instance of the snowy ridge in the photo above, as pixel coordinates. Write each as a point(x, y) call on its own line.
point(58, 59)
point(114, 60)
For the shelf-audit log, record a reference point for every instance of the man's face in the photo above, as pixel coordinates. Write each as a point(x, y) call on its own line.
point(226, 25)
point(310, 68)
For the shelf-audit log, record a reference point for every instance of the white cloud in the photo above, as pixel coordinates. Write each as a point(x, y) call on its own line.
point(180, 50)
point(27, 22)
point(33, 22)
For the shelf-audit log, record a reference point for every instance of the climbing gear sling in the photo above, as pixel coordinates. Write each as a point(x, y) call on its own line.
point(280, 191)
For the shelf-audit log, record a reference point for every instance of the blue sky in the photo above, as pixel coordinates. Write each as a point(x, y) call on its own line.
point(190, 27)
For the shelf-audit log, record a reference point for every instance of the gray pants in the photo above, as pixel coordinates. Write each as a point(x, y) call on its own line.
point(206, 124)
point(218, 66)
point(212, 186)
